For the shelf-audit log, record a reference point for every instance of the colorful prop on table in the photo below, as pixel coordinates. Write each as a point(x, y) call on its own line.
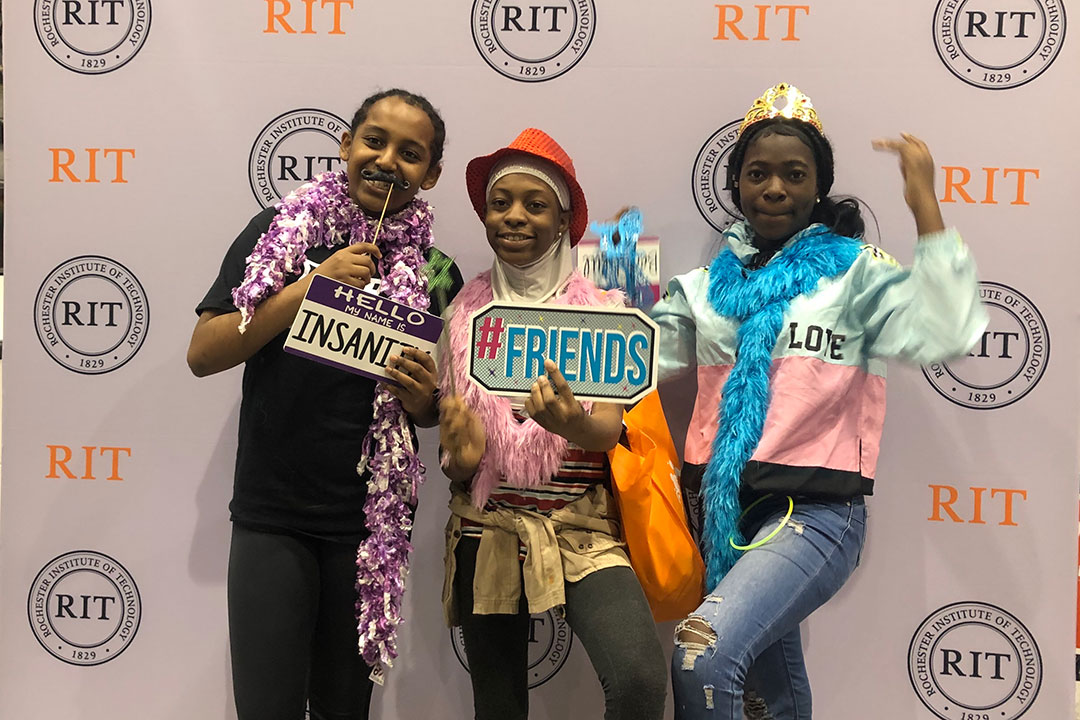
point(605, 354)
point(357, 331)
point(623, 259)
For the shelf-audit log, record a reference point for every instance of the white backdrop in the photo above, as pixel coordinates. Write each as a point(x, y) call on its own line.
point(137, 131)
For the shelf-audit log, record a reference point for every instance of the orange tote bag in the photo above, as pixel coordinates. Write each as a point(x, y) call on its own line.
point(646, 484)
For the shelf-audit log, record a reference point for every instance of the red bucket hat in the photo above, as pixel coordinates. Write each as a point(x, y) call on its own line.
point(538, 144)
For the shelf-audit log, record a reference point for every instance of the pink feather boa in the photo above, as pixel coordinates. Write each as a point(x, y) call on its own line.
point(518, 454)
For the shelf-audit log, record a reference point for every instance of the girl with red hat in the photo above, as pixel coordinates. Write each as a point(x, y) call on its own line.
point(533, 525)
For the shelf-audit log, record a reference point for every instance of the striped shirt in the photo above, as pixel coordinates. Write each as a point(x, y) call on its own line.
point(580, 470)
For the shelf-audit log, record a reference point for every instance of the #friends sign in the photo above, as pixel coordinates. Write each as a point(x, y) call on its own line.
point(605, 354)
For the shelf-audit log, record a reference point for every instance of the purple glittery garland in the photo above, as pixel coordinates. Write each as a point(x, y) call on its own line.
point(321, 213)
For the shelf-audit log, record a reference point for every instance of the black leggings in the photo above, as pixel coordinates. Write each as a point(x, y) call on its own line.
point(608, 613)
point(292, 628)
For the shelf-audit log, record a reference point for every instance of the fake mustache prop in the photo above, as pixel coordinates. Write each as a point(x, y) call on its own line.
point(380, 176)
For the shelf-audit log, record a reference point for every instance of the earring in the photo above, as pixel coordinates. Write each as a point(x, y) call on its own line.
point(817, 200)
point(736, 183)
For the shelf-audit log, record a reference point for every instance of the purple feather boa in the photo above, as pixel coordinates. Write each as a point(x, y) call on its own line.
point(321, 213)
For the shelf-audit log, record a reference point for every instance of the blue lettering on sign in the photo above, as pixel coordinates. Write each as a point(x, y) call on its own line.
point(535, 349)
point(636, 345)
point(592, 355)
point(582, 354)
point(615, 350)
point(567, 354)
point(513, 352)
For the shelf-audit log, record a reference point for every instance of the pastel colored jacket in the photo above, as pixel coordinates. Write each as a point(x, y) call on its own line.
point(823, 427)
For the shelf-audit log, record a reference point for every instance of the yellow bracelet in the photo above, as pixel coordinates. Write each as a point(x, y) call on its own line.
point(770, 536)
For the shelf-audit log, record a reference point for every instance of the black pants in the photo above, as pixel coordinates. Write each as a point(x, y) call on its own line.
point(292, 628)
point(609, 614)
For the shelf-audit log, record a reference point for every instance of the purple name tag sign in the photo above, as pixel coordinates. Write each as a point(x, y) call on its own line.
point(357, 331)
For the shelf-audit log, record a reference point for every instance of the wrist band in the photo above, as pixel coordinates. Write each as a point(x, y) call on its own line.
point(770, 536)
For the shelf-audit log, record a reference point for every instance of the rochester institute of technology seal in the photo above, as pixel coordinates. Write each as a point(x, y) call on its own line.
point(84, 607)
point(1007, 362)
point(974, 661)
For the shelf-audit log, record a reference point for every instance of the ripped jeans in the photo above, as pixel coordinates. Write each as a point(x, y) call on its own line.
point(746, 632)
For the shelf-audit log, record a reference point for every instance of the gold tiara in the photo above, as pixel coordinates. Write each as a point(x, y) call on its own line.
point(782, 100)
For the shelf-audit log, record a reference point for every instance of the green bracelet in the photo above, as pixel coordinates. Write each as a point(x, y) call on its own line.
point(770, 536)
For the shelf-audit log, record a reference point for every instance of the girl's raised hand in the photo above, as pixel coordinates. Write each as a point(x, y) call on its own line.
point(918, 169)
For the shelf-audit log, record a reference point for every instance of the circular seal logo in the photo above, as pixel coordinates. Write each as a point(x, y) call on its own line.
point(91, 314)
point(92, 37)
point(549, 645)
point(84, 608)
point(533, 43)
point(1007, 362)
point(293, 148)
point(710, 177)
point(971, 660)
point(997, 45)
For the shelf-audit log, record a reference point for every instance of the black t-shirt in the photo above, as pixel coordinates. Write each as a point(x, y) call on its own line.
point(302, 424)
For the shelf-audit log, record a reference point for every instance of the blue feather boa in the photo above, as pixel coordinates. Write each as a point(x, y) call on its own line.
point(758, 300)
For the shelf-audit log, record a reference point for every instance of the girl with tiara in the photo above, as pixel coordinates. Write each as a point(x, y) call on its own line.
point(788, 330)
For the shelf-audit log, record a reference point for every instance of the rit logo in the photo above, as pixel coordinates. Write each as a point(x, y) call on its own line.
point(64, 158)
point(74, 313)
point(312, 164)
point(536, 18)
point(730, 17)
point(975, 665)
point(278, 12)
point(946, 496)
point(1014, 23)
point(60, 456)
point(91, 12)
point(995, 344)
point(958, 177)
point(83, 607)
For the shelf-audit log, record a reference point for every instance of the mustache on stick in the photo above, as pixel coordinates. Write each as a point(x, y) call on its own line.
point(380, 176)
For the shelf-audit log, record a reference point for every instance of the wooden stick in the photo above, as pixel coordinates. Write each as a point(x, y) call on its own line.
point(386, 204)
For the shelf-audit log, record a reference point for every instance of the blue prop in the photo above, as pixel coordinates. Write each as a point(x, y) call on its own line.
point(619, 266)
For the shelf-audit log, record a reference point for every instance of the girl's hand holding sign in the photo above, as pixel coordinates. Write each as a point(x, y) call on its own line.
point(552, 405)
point(414, 371)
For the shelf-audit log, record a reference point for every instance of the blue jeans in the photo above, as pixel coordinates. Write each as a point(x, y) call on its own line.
point(746, 632)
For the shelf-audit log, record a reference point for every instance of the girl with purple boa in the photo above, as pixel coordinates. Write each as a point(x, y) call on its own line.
point(327, 471)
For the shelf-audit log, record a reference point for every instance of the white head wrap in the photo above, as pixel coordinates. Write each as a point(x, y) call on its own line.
point(540, 279)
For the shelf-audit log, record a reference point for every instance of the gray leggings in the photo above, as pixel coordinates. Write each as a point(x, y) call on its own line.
point(608, 613)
